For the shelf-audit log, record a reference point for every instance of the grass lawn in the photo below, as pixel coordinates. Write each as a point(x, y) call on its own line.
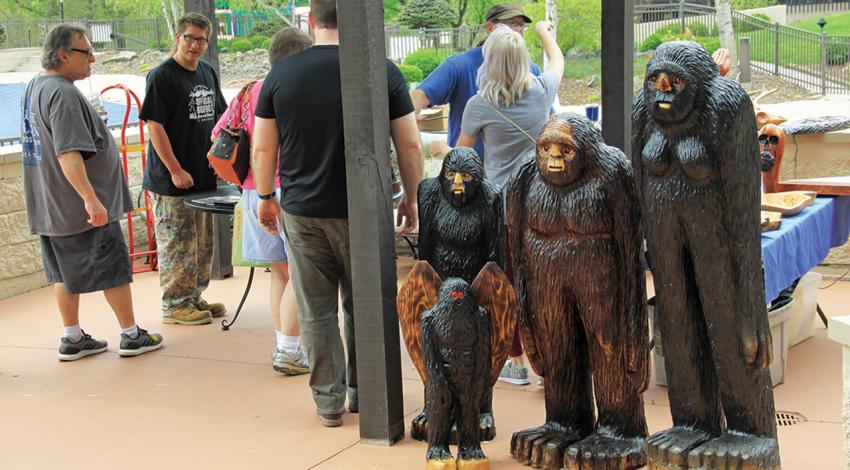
point(798, 47)
point(584, 68)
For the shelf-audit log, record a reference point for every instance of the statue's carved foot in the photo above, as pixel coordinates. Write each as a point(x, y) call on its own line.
point(486, 428)
point(668, 449)
point(736, 450)
point(441, 464)
point(473, 464)
point(602, 449)
point(543, 447)
point(419, 427)
point(438, 452)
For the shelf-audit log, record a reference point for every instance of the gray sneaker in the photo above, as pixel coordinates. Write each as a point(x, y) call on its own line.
point(144, 342)
point(290, 364)
point(85, 346)
point(517, 375)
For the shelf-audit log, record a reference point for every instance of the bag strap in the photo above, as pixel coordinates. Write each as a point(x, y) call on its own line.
point(532, 139)
point(243, 106)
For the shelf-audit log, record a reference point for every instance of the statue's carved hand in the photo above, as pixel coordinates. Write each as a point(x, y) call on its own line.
point(757, 344)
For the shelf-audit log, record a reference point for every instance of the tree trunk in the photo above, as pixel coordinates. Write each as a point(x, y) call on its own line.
point(175, 14)
point(727, 32)
point(169, 20)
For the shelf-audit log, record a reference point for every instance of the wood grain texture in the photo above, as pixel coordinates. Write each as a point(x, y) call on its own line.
point(418, 293)
point(494, 292)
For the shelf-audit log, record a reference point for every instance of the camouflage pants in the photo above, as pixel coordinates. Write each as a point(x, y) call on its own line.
point(184, 244)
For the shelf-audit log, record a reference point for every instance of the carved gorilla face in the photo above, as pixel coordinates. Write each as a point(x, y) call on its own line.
point(772, 144)
point(675, 77)
point(456, 293)
point(558, 159)
point(461, 176)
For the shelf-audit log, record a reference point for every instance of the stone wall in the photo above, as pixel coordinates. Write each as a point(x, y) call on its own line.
point(20, 256)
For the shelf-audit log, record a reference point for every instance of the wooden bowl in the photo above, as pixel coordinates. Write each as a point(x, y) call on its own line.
point(787, 203)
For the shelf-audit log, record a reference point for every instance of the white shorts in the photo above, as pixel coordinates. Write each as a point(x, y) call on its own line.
point(257, 245)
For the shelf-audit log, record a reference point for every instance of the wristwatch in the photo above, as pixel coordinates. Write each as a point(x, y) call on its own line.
point(266, 197)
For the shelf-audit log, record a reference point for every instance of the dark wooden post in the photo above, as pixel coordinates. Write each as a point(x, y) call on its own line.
point(207, 8)
point(617, 67)
point(366, 117)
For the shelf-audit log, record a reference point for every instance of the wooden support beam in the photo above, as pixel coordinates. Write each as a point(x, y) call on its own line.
point(617, 75)
point(366, 117)
point(207, 8)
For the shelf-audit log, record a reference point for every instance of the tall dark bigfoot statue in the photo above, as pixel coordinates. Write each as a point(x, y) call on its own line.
point(573, 222)
point(461, 228)
point(696, 158)
point(460, 344)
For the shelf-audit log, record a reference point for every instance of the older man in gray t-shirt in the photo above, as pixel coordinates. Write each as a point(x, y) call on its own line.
point(75, 193)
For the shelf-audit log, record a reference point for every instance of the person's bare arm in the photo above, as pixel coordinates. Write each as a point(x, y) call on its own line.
point(554, 55)
point(74, 168)
point(405, 135)
point(420, 101)
point(162, 144)
point(263, 159)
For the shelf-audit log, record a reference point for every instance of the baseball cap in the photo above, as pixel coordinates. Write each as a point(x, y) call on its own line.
point(505, 11)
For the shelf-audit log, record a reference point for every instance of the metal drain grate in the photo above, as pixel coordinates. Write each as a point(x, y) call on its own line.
point(789, 418)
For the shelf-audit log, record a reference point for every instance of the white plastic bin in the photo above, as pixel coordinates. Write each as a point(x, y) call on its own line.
point(801, 324)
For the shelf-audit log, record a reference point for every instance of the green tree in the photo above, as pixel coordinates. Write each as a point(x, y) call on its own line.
point(578, 26)
point(749, 4)
point(426, 14)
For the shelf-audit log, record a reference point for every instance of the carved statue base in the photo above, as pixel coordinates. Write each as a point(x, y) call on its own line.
point(451, 464)
point(486, 428)
point(680, 448)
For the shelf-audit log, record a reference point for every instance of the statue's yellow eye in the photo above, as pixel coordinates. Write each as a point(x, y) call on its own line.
point(450, 175)
point(546, 147)
point(466, 177)
point(677, 81)
point(653, 78)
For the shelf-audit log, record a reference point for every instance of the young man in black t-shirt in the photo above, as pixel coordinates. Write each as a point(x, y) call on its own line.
point(182, 103)
point(300, 109)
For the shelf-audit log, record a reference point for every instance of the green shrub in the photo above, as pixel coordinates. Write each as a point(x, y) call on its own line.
point(411, 73)
point(426, 14)
point(750, 4)
point(650, 43)
point(162, 45)
point(266, 44)
point(426, 60)
point(222, 43)
point(710, 44)
point(837, 54)
point(241, 45)
point(257, 40)
point(267, 27)
point(2, 34)
point(699, 29)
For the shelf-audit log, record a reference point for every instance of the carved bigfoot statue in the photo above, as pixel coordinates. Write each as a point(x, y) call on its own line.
point(460, 229)
point(459, 334)
point(696, 158)
point(573, 222)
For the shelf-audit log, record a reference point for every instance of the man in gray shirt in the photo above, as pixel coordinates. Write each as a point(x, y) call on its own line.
point(75, 194)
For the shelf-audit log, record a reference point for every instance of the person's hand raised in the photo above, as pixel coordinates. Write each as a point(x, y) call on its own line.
point(544, 27)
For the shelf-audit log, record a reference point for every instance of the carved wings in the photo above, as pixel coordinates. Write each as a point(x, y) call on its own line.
point(492, 291)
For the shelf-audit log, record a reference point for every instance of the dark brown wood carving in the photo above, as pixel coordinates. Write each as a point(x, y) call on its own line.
point(696, 159)
point(460, 341)
point(461, 228)
point(573, 225)
point(772, 145)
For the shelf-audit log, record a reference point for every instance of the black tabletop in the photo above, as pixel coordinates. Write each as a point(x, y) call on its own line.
point(221, 200)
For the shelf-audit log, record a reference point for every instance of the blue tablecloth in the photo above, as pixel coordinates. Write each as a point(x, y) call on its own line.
point(803, 241)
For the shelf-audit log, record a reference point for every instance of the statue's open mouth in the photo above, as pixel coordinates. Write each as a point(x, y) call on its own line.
point(556, 164)
point(665, 106)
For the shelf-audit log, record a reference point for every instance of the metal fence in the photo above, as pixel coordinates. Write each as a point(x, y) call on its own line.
point(121, 34)
point(402, 42)
point(818, 62)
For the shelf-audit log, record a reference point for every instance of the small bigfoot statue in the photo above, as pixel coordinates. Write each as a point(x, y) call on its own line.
point(461, 228)
point(573, 222)
point(696, 159)
point(460, 332)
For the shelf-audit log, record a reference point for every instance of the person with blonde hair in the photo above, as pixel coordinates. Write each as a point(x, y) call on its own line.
point(511, 105)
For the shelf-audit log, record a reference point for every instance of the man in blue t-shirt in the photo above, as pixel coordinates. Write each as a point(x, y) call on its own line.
point(454, 81)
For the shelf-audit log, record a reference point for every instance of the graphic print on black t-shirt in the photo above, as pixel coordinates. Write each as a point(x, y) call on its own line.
point(201, 104)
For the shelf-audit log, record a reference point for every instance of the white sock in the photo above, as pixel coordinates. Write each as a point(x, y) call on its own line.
point(132, 332)
point(279, 339)
point(291, 344)
point(73, 332)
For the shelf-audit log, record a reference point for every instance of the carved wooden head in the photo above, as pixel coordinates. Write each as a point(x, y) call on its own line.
point(461, 175)
point(558, 158)
point(772, 146)
point(675, 80)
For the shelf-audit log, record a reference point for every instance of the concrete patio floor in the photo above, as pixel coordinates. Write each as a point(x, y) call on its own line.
point(210, 399)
